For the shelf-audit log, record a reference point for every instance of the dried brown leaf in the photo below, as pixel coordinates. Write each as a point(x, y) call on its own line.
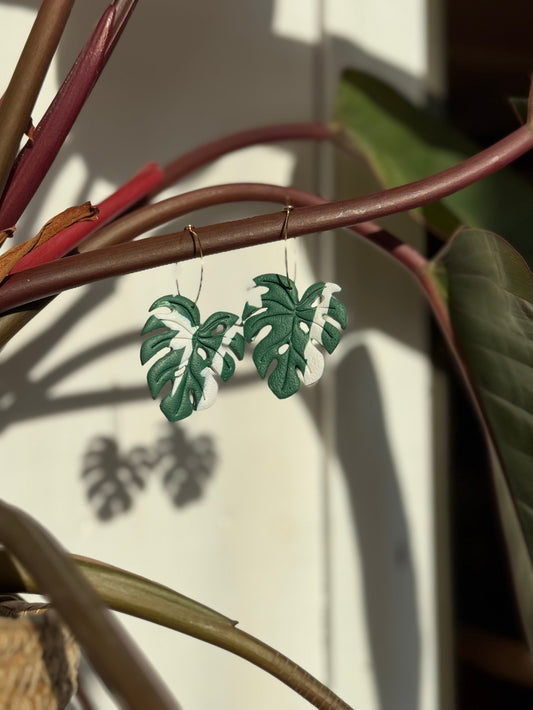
point(30, 130)
point(72, 215)
point(6, 234)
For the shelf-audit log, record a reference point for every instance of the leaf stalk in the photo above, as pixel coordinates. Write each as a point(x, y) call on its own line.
point(27, 79)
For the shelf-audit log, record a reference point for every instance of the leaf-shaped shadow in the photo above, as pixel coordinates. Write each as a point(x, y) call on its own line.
point(113, 479)
point(187, 464)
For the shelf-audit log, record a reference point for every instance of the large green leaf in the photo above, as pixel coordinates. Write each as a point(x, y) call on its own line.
point(196, 352)
point(488, 290)
point(140, 597)
point(287, 331)
point(403, 143)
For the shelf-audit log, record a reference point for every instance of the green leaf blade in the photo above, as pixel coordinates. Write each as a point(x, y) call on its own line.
point(151, 346)
point(489, 293)
point(403, 143)
point(162, 370)
point(286, 331)
point(196, 353)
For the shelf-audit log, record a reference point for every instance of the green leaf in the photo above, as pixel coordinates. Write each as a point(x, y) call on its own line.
point(140, 597)
point(288, 330)
point(488, 289)
point(196, 353)
point(403, 143)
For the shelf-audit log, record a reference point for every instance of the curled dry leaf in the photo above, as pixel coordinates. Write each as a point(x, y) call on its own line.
point(30, 130)
point(70, 216)
point(6, 234)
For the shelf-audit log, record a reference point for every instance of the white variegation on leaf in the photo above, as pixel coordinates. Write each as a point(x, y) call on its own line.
point(292, 332)
point(196, 353)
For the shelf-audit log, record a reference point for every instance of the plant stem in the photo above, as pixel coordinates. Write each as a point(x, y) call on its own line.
point(110, 651)
point(139, 597)
point(145, 218)
point(153, 215)
point(48, 279)
point(37, 155)
point(116, 204)
point(196, 158)
point(123, 11)
point(25, 84)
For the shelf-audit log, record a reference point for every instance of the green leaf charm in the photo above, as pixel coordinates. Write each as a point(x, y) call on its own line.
point(196, 353)
point(289, 330)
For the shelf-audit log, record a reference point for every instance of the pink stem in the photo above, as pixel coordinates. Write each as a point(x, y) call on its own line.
point(198, 157)
point(125, 197)
point(35, 158)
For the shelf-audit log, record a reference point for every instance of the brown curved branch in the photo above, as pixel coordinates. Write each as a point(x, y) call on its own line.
point(48, 279)
point(51, 278)
point(146, 218)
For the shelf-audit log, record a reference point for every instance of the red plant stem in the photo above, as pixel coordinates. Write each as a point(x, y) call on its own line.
point(49, 279)
point(125, 197)
point(205, 154)
point(25, 84)
point(35, 158)
point(123, 10)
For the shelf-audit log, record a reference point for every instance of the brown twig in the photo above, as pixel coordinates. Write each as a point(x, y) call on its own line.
point(25, 84)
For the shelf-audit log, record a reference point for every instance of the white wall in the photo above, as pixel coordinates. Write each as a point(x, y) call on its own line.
point(309, 520)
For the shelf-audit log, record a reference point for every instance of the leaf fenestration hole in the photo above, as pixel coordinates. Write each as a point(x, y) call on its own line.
point(303, 326)
point(220, 328)
point(283, 348)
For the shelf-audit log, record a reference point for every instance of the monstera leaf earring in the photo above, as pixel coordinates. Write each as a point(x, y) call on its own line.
point(196, 351)
point(292, 331)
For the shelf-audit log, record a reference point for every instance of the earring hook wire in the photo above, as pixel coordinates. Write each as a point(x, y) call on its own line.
point(287, 209)
point(197, 248)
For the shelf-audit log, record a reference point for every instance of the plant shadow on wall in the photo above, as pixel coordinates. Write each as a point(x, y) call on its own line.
point(25, 397)
point(114, 478)
point(379, 518)
point(153, 128)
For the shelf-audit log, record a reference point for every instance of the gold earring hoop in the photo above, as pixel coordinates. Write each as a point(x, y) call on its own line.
point(197, 248)
point(287, 209)
point(194, 353)
point(300, 328)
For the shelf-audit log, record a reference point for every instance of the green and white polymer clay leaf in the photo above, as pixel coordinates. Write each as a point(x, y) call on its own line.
point(196, 353)
point(288, 331)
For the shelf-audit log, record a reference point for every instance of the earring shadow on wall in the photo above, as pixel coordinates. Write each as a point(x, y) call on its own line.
point(114, 478)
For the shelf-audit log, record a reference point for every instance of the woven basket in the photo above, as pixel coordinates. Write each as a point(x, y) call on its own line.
point(39, 658)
